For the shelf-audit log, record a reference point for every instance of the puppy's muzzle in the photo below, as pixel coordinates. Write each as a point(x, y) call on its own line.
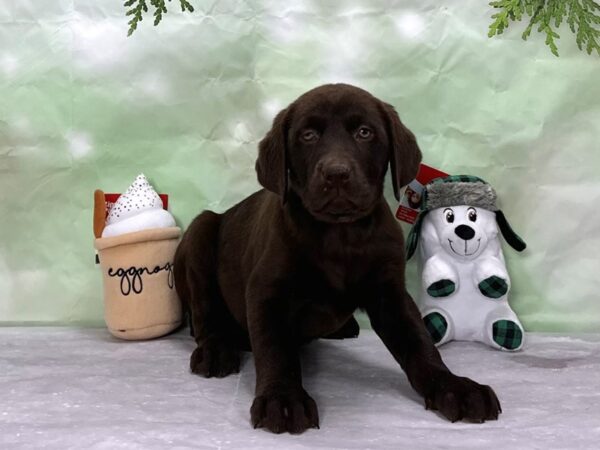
point(335, 173)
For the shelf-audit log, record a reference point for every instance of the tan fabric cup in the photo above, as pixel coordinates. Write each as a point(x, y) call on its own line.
point(140, 301)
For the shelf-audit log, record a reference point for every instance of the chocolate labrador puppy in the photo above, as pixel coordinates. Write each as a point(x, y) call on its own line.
point(293, 261)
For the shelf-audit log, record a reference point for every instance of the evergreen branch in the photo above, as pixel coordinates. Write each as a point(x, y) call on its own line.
point(582, 16)
point(136, 8)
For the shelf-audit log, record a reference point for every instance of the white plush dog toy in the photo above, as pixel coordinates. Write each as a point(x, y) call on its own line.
point(465, 284)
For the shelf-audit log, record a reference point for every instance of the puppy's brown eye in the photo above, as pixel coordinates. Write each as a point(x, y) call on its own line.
point(309, 136)
point(364, 133)
point(472, 215)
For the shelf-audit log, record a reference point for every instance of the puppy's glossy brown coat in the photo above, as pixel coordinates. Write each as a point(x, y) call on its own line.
point(292, 262)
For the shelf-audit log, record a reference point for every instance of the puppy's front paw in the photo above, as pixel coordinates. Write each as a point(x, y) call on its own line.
point(280, 410)
point(459, 398)
point(215, 359)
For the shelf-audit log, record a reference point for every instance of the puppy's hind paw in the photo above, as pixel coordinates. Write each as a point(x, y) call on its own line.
point(349, 330)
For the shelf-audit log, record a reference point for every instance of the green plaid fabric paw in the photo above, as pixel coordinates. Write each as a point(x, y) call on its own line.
point(493, 287)
point(442, 288)
point(507, 334)
point(436, 325)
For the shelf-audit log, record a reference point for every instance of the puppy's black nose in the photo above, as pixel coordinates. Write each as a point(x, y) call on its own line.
point(336, 174)
point(464, 232)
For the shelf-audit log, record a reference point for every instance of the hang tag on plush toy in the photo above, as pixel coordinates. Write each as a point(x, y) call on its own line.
point(410, 203)
point(464, 280)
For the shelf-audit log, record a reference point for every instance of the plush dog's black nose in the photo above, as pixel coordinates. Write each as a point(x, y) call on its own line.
point(464, 232)
point(336, 174)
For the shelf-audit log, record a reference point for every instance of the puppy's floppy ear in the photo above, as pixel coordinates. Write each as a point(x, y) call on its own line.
point(271, 165)
point(405, 155)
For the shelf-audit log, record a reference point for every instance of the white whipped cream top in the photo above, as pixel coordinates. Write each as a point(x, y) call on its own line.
point(139, 208)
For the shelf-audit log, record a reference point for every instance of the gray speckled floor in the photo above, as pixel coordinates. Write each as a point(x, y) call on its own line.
point(80, 388)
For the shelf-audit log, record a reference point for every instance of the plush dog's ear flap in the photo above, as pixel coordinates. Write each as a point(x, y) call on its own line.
point(271, 165)
point(511, 237)
point(405, 155)
point(413, 236)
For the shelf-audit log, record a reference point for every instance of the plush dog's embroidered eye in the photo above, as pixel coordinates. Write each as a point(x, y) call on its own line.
point(364, 134)
point(309, 136)
point(472, 214)
point(449, 215)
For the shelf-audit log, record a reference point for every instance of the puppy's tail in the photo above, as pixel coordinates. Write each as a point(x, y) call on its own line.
point(196, 265)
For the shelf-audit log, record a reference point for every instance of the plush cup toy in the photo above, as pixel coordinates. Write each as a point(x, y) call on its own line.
point(136, 241)
point(465, 284)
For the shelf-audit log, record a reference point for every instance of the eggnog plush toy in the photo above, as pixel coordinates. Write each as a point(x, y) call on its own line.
point(464, 281)
point(136, 241)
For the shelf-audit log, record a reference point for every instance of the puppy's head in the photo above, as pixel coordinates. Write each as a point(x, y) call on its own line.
point(332, 147)
point(463, 231)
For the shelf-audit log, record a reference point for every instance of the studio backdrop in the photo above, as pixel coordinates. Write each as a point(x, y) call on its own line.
point(82, 106)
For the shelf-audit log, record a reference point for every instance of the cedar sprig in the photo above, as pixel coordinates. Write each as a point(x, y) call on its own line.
point(582, 16)
point(137, 8)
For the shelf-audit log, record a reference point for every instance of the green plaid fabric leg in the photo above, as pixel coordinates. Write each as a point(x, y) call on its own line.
point(436, 325)
point(493, 287)
point(507, 334)
point(442, 288)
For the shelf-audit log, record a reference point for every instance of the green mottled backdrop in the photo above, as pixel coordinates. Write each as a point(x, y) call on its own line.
point(84, 107)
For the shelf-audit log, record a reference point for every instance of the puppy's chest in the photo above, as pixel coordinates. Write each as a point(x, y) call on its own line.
point(340, 260)
point(328, 289)
point(342, 270)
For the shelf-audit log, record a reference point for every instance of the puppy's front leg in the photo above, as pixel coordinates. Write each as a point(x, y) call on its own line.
point(281, 403)
point(396, 319)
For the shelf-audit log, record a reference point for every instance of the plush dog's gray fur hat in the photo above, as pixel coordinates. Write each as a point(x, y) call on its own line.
point(473, 193)
point(457, 190)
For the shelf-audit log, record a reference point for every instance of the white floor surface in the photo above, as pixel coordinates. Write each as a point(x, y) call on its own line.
point(82, 389)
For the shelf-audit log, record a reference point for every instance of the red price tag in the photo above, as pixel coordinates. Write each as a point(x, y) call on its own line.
point(410, 203)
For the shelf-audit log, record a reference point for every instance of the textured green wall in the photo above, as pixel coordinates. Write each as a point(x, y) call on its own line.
point(83, 107)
